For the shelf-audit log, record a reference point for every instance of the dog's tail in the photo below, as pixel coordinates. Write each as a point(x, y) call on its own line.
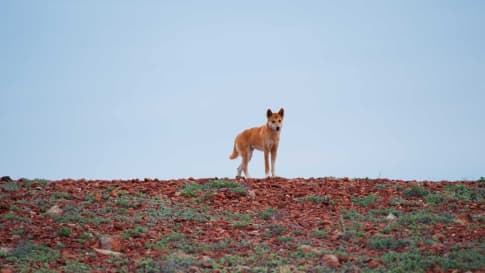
point(235, 153)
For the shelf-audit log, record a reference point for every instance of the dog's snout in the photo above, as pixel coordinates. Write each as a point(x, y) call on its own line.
point(277, 128)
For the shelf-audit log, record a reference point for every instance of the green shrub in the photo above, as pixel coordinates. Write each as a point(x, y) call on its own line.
point(463, 192)
point(352, 215)
point(191, 189)
point(415, 191)
point(135, 232)
point(425, 217)
point(406, 262)
point(28, 252)
point(76, 267)
point(435, 198)
point(285, 239)
point(13, 217)
point(174, 240)
point(11, 186)
point(464, 259)
point(383, 212)
point(64, 232)
point(365, 201)
point(127, 202)
point(241, 220)
point(177, 262)
point(382, 243)
point(275, 230)
point(71, 214)
point(318, 233)
point(317, 199)
point(268, 213)
point(223, 184)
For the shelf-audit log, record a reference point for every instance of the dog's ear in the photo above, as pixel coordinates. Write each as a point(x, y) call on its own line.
point(282, 112)
point(269, 113)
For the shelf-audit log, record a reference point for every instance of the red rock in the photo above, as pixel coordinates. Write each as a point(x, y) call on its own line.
point(298, 218)
point(306, 248)
point(110, 243)
point(107, 252)
point(464, 219)
point(374, 264)
point(206, 261)
point(194, 269)
point(55, 210)
point(344, 259)
point(68, 255)
point(331, 260)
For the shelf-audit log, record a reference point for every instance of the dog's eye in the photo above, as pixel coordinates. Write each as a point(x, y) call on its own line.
point(279, 120)
point(273, 121)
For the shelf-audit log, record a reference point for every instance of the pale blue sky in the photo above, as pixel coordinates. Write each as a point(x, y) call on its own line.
point(122, 89)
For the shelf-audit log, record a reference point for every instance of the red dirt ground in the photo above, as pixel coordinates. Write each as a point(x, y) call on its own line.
point(290, 230)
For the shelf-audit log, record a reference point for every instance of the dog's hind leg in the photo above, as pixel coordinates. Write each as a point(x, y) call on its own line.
point(250, 154)
point(244, 164)
point(239, 169)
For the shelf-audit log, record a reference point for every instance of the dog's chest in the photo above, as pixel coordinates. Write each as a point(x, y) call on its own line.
point(270, 142)
point(266, 144)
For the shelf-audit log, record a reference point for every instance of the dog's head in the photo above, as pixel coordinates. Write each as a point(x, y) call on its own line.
point(275, 120)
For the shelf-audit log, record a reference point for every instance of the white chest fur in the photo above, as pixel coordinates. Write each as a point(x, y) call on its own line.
point(269, 143)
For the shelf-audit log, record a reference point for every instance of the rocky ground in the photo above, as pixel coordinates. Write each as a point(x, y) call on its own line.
point(254, 225)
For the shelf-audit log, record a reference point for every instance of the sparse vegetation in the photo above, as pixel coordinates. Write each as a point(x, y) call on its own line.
point(125, 201)
point(173, 240)
point(10, 186)
point(317, 199)
point(274, 230)
point(464, 259)
point(193, 189)
point(435, 198)
point(64, 231)
point(352, 215)
point(28, 257)
point(365, 201)
point(135, 232)
point(318, 233)
point(415, 191)
point(465, 193)
point(84, 237)
point(413, 261)
point(74, 266)
point(15, 218)
point(425, 218)
point(268, 213)
point(378, 242)
point(71, 214)
point(240, 220)
point(215, 226)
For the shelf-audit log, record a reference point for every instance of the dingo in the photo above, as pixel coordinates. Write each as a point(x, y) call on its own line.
point(265, 138)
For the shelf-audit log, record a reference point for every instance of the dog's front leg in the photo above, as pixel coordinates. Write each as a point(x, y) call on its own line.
point(274, 151)
point(266, 161)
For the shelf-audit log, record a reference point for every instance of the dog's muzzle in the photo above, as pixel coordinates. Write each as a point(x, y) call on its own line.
point(275, 127)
